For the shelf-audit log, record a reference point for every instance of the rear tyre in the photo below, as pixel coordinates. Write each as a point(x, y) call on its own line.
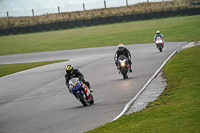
point(82, 99)
point(92, 99)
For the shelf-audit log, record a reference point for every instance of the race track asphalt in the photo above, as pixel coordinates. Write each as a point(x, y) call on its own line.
point(37, 100)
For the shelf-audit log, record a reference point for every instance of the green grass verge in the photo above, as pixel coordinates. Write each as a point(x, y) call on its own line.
point(174, 29)
point(176, 110)
point(12, 68)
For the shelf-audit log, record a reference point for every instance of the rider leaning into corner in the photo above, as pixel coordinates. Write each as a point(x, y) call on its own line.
point(123, 51)
point(158, 34)
point(75, 73)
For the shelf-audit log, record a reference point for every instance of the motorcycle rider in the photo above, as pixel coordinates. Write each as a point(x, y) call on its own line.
point(72, 73)
point(123, 51)
point(158, 34)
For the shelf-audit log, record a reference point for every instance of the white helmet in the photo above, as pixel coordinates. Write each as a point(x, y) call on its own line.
point(158, 32)
point(120, 47)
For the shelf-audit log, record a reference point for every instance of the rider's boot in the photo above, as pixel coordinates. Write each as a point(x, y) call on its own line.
point(88, 85)
point(130, 69)
point(91, 90)
point(130, 63)
point(117, 67)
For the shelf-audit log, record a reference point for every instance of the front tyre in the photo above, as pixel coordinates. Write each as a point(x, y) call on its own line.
point(124, 73)
point(125, 76)
point(82, 99)
point(160, 48)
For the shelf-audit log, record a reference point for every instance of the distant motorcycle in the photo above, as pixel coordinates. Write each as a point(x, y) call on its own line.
point(159, 43)
point(81, 91)
point(123, 66)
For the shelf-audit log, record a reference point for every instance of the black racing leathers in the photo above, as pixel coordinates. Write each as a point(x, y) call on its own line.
point(76, 74)
point(125, 52)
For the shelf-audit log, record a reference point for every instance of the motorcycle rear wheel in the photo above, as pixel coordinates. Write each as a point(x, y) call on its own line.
point(92, 99)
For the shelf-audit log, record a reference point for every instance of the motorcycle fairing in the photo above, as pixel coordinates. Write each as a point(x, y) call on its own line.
point(123, 62)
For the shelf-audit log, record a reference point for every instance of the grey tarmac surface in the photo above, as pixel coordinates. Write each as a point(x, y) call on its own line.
point(37, 100)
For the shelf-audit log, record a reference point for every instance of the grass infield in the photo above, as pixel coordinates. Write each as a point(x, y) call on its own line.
point(12, 68)
point(174, 29)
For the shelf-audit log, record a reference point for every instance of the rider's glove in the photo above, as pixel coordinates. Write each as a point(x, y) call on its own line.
point(81, 78)
point(70, 91)
point(67, 84)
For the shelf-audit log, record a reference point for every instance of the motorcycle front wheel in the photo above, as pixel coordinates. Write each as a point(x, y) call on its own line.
point(82, 99)
point(124, 73)
point(160, 48)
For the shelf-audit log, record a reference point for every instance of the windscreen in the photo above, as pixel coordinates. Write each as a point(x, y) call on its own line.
point(73, 81)
point(122, 57)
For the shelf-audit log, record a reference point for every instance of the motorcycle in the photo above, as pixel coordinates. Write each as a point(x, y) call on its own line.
point(123, 66)
point(159, 43)
point(81, 91)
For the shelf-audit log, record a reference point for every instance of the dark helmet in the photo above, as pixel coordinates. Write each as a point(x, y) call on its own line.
point(69, 69)
point(120, 47)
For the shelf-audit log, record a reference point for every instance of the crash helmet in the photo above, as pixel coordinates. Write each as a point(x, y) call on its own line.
point(158, 32)
point(69, 69)
point(120, 47)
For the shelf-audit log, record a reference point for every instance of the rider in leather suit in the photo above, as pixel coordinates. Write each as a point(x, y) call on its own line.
point(160, 35)
point(123, 51)
point(71, 73)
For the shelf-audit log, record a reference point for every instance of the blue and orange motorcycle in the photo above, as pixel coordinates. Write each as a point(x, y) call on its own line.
point(81, 91)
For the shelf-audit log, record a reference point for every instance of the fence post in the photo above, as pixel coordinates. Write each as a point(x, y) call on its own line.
point(33, 12)
point(126, 2)
point(105, 3)
point(58, 9)
point(83, 6)
point(7, 16)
